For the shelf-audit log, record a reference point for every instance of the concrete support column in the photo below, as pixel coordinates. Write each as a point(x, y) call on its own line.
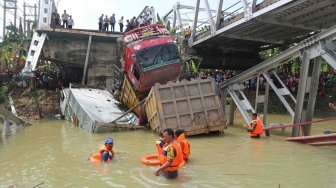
point(223, 94)
point(312, 94)
point(232, 110)
point(301, 92)
point(86, 60)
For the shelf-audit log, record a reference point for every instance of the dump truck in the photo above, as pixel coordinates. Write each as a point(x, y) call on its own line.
point(150, 57)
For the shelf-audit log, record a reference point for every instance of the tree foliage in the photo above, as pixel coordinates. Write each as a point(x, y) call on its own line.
point(13, 48)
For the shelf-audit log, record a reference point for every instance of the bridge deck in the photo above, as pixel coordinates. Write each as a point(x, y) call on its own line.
point(272, 22)
point(82, 34)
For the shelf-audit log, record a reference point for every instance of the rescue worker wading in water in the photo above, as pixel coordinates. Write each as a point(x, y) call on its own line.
point(170, 157)
point(255, 127)
point(105, 153)
point(184, 143)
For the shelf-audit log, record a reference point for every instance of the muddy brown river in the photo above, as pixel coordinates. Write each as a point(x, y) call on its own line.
point(54, 154)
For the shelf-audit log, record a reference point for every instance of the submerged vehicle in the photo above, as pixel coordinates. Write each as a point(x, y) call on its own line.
point(94, 109)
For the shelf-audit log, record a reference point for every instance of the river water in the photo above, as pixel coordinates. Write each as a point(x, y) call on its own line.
point(54, 154)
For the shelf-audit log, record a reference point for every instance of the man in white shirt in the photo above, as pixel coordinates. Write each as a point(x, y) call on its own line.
point(65, 19)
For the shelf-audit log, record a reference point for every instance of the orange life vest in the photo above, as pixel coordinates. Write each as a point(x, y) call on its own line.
point(185, 146)
point(176, 161)
point(97, 156)
point(259, 127)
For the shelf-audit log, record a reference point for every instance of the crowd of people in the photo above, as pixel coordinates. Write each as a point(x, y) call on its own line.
point(66, 21)
point(327, 80)
point(106, 23)
point(44, 79)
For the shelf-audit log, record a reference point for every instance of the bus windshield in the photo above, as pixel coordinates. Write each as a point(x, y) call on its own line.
point(157, 56)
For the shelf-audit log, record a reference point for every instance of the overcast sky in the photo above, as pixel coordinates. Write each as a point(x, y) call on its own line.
point(86, 12)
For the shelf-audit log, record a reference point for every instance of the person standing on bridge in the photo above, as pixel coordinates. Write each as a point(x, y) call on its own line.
point(70, 22)
point(106, 23)
point(255, 127)
point(65, 19)
point(112, 22)
point(121, 23)
point(100, 22)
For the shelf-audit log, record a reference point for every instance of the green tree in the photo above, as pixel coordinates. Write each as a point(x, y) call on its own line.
point(13, 48)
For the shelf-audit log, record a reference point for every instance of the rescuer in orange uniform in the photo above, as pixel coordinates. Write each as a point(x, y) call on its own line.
point(171, 156)
point(105, 153)
point(255, 127)
point(184, 143)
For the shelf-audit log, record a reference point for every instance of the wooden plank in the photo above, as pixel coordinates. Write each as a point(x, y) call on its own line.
point(11, 116)
point(300, 124)
point(312, 139)
point(326, 143)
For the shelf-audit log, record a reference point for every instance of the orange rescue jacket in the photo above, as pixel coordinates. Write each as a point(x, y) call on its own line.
point(178, 159)
point(258, 129)
point(185, 146)
point(97, 156)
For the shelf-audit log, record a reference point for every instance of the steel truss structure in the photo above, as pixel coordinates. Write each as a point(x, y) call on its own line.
point(310, 51)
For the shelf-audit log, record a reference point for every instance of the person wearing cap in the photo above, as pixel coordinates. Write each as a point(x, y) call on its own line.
point(255, 127)
point(105, 153)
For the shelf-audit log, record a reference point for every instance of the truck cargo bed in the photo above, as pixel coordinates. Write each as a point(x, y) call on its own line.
point(188, 105)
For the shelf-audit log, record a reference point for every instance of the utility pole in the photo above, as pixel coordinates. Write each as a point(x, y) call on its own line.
point(29, 16)
point(9, 4)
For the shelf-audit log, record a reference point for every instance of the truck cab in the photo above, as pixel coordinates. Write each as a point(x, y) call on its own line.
point(150, 56)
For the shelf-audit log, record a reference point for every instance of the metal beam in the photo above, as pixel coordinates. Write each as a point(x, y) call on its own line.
point(287, 5)
point(200, 9)
point(185, 19)
point(211, 20)
point(193, 33)
point(219, 14)
point(307, 10)
point(254, 4)
point(287, 24)
point(174, 20)
point(177, 13)
point(266, 102)
point(190, 8)
point(232, 110)
point(282, 58)
point(312, 94)
point(280, 96)
point(301, 91)
point(235, 36)
point(283, 85)
point(247, 10)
